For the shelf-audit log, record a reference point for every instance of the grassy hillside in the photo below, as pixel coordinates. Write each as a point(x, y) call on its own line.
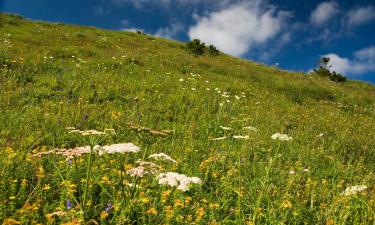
point(158, 96)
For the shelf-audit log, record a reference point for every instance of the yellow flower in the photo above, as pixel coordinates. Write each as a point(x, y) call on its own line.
point(46, 187)
point(287, 204)
point(116, 114)
point(152, 211)
point(200, 213)
point(187, 200)
point(10, 221)
point(214, 205)
point(179, 203)
point(103, 215)
point(12, 197)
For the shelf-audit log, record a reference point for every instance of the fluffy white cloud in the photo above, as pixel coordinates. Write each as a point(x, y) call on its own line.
point(171, 31)
point(237, 28)
point(360, 15)
point(323, 13)
point(363, 61)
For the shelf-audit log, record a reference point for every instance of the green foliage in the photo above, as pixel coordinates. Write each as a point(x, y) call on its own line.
point(212, 50)
point(144, 87)
point(196, 47)
point(323, 70)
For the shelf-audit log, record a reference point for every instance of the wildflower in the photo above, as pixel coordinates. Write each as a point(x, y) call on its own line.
point(240, 137)
point(287, 204)
point(193, 89)
point(250, 128)
point(178, 203)
point(91, 132)
point(137, 172)
point(354, 190)
point(181, 181)
point(46, 187)
point(152, 211)
point(281, 137)
point(207, 89)
point(225, 128)
point(104, 215)
point(214, 205)
point(181, 80)
point(162, 156)
point(200, 213)
point(68, 204)
point(320, 135)
point(237, 97)
point(108, 208)
point(292, 172)
point(119, 148)
point(219, 138)
point(70, 128)
point(109, 131)
point(306, 170)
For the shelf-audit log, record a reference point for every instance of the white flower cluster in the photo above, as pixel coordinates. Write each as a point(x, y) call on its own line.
point(225, 128)
point(250, 128)
point(241, 137)
point(73, 130)
point(354, 190)
point(281, 137)
point(181, 181)
point(119, 148)
point(162, 156)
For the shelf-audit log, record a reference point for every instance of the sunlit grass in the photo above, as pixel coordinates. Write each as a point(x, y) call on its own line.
point(215, 117)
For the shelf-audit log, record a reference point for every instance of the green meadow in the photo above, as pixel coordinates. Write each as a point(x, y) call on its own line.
point(213, 115)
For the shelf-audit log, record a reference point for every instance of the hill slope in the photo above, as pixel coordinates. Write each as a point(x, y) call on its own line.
point(55, 76)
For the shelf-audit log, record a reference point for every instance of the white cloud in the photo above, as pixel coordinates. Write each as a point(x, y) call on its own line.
point(323, 13)
point(171, 31)
point(366, 53)
point(360, 15)
point(239, 27)
point(363, 61)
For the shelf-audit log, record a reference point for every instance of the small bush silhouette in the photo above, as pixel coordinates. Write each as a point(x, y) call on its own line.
point(323, 70)
point(196, 47)
point(212, 50)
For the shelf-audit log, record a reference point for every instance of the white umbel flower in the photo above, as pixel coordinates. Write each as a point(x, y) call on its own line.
point(354, 190)
point(281, 137)
point(181, 181)
point(250, 128)
point(162, 156)
point(225, 128)
point(241, 137)
point(119, 148)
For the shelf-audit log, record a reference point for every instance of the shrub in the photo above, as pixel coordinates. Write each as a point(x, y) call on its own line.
point(196, 47)
point(323, 70)
point(212, 50)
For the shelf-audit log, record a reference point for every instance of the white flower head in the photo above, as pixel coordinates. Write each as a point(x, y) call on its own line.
point(250, 128)
point(162, 156)
point(225, 128)
point(219, 138)
point(281, 137)
point(181, 181)
point(137, 171)
point(241, 137)
point(354, 190)
point(119, 148)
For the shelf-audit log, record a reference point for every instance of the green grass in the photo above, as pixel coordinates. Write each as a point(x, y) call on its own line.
point(54, 76)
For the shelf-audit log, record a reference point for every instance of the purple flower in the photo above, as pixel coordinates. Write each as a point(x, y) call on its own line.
point(70, 162)
point(108, 208)
point(68, 204)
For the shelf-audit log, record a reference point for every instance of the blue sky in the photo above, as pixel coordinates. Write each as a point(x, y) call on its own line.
point(288, 33)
